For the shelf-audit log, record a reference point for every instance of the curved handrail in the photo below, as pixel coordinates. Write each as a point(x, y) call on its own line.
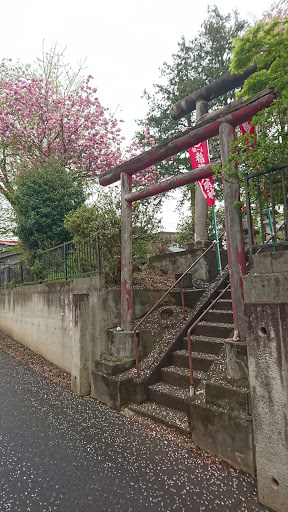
point(163, 297)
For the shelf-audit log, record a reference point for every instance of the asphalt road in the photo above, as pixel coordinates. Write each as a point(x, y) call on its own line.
point(65, 453)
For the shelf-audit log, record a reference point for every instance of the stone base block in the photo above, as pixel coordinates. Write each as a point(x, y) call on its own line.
point(228, 436)
point(228, 396)
point(236, 359)
point(121, 343)
point(113, 366)
point(117, 392)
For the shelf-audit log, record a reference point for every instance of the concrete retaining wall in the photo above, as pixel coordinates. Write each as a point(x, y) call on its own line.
point(67, 322)
point(206, 269)
point(266, 311)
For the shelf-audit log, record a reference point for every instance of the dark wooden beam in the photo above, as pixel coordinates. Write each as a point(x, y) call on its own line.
point(235, 113)
point(202, 172)
point(221, 85)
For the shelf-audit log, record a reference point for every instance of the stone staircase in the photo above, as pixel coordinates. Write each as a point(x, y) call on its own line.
point(218, 417)
point(168, 399)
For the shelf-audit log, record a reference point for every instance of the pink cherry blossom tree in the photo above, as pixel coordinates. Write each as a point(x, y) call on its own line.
point(38, 122)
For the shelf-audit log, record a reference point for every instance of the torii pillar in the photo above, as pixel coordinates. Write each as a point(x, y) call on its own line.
point(234, 233)
point(126, 255)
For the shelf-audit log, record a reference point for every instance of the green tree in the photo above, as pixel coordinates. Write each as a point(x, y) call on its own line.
point(43, 197)
point(196, 63)
point(103, 218)
point(267, 44)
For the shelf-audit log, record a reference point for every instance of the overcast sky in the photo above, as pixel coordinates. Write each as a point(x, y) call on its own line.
point(124, 41)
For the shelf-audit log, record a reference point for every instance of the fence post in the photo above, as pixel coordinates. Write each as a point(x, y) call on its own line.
point(65, 262)
point(98, 253)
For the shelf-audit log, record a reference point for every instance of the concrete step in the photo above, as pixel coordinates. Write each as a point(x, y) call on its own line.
point(223, 304)
point(180, 377)
point(226, 295)
point(201, 361)
point(169, 396)
point(170, 417)
point(219, 316)
point(205, 344)
point(228, 396)
point(214, 330)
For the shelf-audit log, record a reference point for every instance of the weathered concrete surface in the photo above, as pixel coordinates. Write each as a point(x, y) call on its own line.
point(266, 309)
point(220, 418)
point(157, 333)
point(206, 269)
point(236, 359)
point(121, 343)
point(52, 320)
point(80, 374)
point(41, 317)
point(61, 452)
point(225, 433)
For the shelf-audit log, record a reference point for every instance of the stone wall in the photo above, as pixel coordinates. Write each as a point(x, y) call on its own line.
point(206, 269)
point(266, 311)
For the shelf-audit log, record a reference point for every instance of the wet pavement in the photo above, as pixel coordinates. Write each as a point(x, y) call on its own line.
point(65, 453)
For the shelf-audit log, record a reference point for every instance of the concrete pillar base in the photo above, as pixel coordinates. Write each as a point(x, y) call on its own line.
point(236, 359)
point(80, 378)
point(121, 343)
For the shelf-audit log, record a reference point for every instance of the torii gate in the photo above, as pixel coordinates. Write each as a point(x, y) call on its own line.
point(222, 122)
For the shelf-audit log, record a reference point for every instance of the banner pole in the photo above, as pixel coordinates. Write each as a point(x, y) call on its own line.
point(216, 241)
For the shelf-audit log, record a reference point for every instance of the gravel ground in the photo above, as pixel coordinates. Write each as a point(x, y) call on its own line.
point(38, 363)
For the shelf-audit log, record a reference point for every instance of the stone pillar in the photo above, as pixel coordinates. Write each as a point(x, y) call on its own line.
point(266, 309)
point(201, 207)
point(80, 373)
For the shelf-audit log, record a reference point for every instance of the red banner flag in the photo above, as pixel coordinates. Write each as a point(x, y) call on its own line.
point(199, 156)
point(247, 128)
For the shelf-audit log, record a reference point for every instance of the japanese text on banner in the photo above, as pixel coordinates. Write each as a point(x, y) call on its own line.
point(199, 156)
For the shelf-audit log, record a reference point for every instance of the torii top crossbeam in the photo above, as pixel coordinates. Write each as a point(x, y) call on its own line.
point(234, 114)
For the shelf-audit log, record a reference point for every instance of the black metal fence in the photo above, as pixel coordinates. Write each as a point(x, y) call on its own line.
point(66, 261)
point(266, 202)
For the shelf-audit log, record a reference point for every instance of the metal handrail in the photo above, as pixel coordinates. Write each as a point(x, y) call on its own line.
point(192, 388)
point(163, 297)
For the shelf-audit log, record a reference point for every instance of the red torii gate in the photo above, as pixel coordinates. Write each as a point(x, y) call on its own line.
point(222, 122)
